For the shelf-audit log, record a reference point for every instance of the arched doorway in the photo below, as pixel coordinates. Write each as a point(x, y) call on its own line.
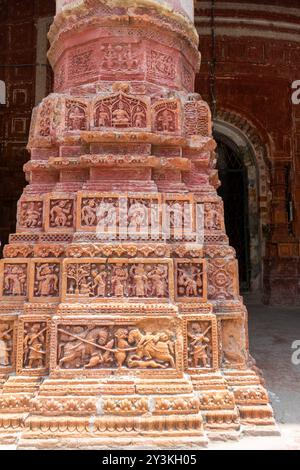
point(233, 175)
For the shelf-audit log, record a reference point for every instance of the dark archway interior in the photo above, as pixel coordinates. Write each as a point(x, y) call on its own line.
point(234, 192)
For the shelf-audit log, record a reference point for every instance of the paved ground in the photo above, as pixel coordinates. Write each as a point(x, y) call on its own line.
point(272, 332)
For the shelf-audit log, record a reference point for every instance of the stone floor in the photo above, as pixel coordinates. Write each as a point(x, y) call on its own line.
point(272, 332)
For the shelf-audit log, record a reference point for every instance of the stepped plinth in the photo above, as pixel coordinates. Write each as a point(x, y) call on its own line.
point(121, 322)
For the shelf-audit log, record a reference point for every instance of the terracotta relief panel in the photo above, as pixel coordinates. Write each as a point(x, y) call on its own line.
point(112, 214)
point(222, 279)
point(121, 111)
point(94, 209)
point(76, 118)
point(197, 117)
point(123, 346)
point(120, 57)
point(8, 332)
point(44, 123)
point(33, 345)
point(30, 214)
point(81, 63)
point(59, 213)
point(178, 216)
point(44, 280)
point(234, 343)
point(201, 343)
point(14, 279)
point(166, 116)
point(190, 280)
point(213, 217)
point(161, 66)
point(102, 279)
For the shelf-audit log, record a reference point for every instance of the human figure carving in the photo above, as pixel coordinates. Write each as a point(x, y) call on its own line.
point(5, 344)
point(212, 219)
point(15, 281)
point(34, 342)
point(60, 214)
point(118, 281)
point(139, 117)
point(120, 117)
point(198, 345)
point(139, 278)
point(165, 121)
point(88, 213)
point(138, 217)
point(99, 281)
point(47, 280)
point(191, 282)
point(152, 350)
point(76, 119)
point(30, 217)
point(159, 276)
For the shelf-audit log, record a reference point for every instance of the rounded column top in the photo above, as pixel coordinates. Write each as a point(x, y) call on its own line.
point(185, 7)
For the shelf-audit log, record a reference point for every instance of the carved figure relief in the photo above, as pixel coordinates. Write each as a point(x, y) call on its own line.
point(121, 111)
point(142, 215)
point(178, 216)
point(119, 57)
point(34, 345)
point(46, 280)
point(114, 347)
point(212, 217)
point(31, 214)
point(122, 279)
point(160, 65)
point(165, 116)
point(6, 343)
point(61, 213)
point(76, 119)
point(199, 344)
point(15, 280)
point(101, 212)
point(190, 281)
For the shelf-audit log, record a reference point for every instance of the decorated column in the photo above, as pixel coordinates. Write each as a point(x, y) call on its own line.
point(120, 313)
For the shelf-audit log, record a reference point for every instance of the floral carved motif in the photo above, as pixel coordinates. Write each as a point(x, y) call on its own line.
point(197, 120)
